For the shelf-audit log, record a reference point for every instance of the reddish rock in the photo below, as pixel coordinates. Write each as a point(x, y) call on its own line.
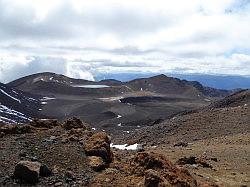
point(96, 163)
point(169, 173)
point(99, 145)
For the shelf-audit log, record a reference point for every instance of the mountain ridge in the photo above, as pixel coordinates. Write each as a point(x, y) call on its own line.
point(171, 84)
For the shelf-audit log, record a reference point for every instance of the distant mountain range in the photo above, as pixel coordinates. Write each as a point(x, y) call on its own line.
point(104, 103)
point(215, 81)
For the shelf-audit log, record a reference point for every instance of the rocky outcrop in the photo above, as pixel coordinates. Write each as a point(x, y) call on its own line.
point(15, 129)
point(75, 135)
point(44, 123)
point(158, 170)
point(74, 123)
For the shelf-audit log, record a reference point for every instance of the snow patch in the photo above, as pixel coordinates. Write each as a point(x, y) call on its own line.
point(119, 125)
point(44, 103)
point(91, 86)
point(10, 96)
point(14, 113)
point(30, 99)
point(47, 98)
point(6, 120)
point(93, 128)
point(14, 91)
point(134, 147)
point(118, 116)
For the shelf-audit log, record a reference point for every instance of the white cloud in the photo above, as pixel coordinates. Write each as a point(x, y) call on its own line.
point(79, 70)
point(88, 37)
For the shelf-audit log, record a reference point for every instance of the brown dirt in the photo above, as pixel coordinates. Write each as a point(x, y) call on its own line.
point(70, 164)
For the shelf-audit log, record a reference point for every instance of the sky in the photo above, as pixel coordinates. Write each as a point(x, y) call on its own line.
point(82, 38)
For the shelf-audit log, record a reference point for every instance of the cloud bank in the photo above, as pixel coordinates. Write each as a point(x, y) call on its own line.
point(83, 38)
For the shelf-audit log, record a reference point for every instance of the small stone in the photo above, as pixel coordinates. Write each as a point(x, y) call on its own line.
point(58, 184)
point(2, 134)
point(70, 175)
point(107, 180)
point(34, 159)
point(45, 171)
point(214, 159)
point(52, 137)
point(181, 144)
point(22, 154)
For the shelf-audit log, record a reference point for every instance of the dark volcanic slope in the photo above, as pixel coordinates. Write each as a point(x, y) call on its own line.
point(25, 83)
point(17, 106)
point(163, 84)
point(237, 99)
point(50, 83)
point(115, 104)
point(226, 117)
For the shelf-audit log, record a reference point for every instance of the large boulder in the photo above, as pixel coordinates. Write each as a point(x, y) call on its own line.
point(27, 172)
point(99, 145)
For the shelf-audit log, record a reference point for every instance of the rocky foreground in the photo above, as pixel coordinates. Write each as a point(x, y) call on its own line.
point(49, 153)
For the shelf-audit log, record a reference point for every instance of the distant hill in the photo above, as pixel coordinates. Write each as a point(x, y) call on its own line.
point(108, 102)
point(214, 81)
point(241, 98)
point(162, 84)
